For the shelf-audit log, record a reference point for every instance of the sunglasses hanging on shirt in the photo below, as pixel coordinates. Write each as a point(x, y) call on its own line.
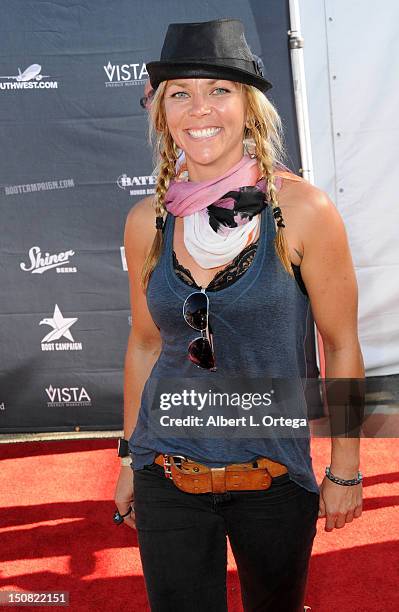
point(196, 314)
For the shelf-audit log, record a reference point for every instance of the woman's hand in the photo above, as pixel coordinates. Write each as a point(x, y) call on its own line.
point(124, 495)
point(339, 504)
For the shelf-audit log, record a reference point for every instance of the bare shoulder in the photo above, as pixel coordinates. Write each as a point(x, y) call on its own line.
point(142, 213)
point(302, 195)
point(308, 213)
point(317, 210)
point(140, 225)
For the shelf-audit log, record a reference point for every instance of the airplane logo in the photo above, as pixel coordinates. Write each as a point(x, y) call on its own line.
point(30, 73)
point(60, 326)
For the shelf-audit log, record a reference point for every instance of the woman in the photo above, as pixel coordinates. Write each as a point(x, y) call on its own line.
point(221, 285)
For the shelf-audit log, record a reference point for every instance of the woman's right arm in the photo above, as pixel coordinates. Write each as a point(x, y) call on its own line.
point(144, 344)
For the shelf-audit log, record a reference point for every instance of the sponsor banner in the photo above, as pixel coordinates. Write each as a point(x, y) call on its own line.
point(56, 339)
point(74, 161)
point(28, 79)
point(37, 187)
point(60, 399)
point(42, 262)
point(124, 75)
point(137, 185)
point(67, 396)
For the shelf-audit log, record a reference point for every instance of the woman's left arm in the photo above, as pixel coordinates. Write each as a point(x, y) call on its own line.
point(328, 273)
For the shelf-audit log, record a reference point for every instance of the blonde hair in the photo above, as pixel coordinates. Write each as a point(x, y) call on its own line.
point(263, 129)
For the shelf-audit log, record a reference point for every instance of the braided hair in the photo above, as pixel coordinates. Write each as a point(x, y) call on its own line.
point(165, 157)
point(264, 128)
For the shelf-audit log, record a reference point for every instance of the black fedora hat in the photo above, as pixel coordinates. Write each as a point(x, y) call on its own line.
point(205, 50)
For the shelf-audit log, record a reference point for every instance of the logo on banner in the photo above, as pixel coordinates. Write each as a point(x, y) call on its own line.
point(67, 396)
point(35, 187)
point(137, 185)
point(123, 258)
point(30, 78)
point(41, 263)
point(119, 75)
point(60, 330)
point(2, 406)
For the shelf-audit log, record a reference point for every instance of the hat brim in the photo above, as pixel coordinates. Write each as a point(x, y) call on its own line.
point(166, 71)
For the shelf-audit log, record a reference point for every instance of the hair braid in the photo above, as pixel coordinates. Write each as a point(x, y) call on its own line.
point(267, 147)
point(266, 166)
point(166, 171)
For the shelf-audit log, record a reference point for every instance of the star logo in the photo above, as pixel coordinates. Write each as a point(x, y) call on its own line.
point(60, 326)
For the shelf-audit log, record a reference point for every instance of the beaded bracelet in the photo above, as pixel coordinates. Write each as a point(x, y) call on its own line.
point(342, 481)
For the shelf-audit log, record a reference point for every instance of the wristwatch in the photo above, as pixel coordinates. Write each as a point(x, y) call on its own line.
point(123, 447)
point(123, 452)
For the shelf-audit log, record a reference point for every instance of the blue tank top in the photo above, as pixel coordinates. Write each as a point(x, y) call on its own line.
point(259, 326)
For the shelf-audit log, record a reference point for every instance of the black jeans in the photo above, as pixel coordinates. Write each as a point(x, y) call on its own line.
point(183, 546)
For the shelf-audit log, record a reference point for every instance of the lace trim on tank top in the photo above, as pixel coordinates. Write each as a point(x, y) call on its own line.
point(232, 272)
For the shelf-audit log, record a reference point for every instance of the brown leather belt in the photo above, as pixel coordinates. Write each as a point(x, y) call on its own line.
point(193, 477)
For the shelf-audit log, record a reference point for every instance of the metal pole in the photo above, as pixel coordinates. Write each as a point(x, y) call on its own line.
point(296, 43)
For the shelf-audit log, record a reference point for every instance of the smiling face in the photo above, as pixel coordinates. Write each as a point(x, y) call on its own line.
point(206, 119)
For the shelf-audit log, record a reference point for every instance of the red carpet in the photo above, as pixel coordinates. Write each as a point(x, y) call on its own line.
point(56, 532)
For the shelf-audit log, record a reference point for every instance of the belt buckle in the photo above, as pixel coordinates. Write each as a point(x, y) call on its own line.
point(167, 464)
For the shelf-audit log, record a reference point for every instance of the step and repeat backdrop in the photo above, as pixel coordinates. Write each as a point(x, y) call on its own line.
point(74, 159)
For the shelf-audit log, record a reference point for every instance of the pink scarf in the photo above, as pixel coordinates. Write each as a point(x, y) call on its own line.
point(185, 198)
point(217, 228)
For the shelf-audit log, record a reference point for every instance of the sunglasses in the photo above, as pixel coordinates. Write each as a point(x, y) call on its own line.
point(145, 101)
point(196, 314)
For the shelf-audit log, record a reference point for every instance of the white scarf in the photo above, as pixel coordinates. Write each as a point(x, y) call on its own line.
point(211, 249)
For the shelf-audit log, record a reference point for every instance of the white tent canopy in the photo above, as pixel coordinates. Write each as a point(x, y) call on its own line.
point(351, 56)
